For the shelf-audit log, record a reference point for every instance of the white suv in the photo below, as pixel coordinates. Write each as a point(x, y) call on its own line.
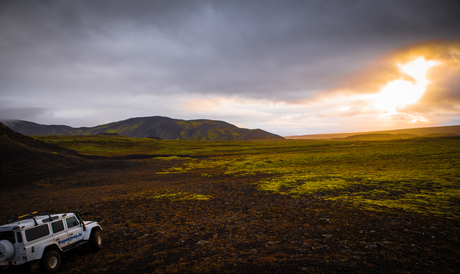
point(42, 238)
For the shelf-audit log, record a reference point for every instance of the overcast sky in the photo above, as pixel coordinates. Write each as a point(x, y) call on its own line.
point(288, 67)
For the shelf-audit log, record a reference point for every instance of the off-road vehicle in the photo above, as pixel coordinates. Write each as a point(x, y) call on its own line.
point(39, 239)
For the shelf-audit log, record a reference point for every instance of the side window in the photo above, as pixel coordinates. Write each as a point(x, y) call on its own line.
point(37, 232)
point(57, 226)
point(71, 222)
point(7, 235)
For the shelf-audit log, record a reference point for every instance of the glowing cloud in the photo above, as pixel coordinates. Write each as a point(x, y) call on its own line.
point(400, 93)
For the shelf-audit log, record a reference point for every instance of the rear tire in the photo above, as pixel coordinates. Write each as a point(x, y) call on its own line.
point(51, 261)
point(95, 240)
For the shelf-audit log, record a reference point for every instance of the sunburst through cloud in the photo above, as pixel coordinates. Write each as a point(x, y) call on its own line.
point(290, 67)
point(400, 93)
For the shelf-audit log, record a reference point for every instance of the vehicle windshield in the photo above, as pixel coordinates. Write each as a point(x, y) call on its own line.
point(7, 235)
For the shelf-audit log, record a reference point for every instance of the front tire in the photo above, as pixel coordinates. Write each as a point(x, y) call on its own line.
point(51, 261)
point(95, 240)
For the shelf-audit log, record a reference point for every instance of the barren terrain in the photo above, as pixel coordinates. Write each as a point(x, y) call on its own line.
point(224, 223)
point(288, 206)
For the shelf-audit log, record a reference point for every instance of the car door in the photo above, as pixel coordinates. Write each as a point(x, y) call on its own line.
point(74, 230)
point(59, 233)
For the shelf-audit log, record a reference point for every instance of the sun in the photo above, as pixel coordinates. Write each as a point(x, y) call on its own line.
point(400, 93)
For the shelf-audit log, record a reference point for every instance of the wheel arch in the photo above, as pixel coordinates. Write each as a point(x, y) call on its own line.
point(90, 231)
point(43, 249)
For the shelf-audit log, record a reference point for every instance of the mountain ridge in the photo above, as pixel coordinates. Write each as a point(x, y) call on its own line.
point(157, 127)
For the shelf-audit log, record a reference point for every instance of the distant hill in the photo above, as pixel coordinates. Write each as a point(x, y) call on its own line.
point(376, 137)
point(152, 127)
point(445, 131)
point(20, 153)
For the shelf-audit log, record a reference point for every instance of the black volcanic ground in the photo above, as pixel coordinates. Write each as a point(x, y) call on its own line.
point(240, 230)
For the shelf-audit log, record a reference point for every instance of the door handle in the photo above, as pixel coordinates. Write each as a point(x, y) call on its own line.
point(71, 234)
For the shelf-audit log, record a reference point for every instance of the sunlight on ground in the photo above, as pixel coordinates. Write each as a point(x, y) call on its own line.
point(400, 93)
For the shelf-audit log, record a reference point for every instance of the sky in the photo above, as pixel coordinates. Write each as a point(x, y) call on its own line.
point(287, 67)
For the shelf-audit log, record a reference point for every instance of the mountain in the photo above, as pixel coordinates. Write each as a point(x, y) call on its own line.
point(152, 127)
point(445, 131)
point(20, 153)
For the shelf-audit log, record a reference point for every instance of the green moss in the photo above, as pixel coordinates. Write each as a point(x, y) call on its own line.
point(416, 175)
point(183, 134)
point(135, 126)
point(171, 158)
point(212, 135)
point(182, 196)
point(189, 124)
point(306, 184)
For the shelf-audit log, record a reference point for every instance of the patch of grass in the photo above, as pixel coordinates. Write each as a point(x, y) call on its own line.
point(303, 184)
point(172, 158)
point(174, 196)
point(181, 196)
point(416, 175)
point(174, 170)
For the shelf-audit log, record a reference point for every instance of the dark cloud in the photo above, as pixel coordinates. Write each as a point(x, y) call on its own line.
point(276, 50)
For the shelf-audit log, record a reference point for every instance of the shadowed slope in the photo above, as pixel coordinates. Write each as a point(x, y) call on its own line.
point(20, 153)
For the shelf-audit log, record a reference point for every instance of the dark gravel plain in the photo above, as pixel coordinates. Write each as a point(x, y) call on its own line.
point(240, 229)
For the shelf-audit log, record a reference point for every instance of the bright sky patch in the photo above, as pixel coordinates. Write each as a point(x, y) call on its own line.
point(401, 93)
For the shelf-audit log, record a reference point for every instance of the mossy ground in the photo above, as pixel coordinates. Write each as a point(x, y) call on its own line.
point(417, 175)
point(262, 207)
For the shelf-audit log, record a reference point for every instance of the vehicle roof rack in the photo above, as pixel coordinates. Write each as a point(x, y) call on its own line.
point(29, 216)
point(50, 219)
